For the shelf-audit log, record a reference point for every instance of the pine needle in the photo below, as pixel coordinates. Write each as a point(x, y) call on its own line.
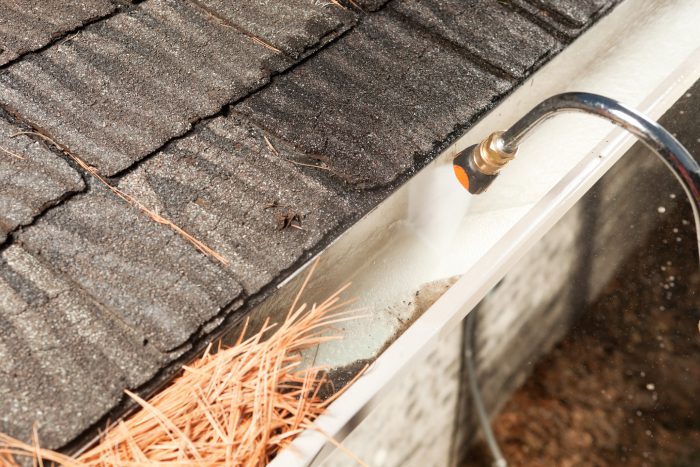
point(12, 154)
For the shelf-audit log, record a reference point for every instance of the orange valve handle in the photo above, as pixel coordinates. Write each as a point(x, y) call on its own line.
point(468, 174)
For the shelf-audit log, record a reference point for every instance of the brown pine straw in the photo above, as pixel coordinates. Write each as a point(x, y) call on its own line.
point(201, 246)
point(238, 406)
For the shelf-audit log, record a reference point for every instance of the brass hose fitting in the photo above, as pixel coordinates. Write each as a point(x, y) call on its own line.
point(489, 156)
point(477, 166)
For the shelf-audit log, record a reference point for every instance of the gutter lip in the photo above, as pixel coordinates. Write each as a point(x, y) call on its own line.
point(348, 411)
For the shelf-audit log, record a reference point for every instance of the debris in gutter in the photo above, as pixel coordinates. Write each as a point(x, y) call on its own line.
point(201, 246)
point(302, 164)
point(237, 405)
point(315, 166)
point(269, 145)
point(288, 219)
point(70, 38)
point(264, 43)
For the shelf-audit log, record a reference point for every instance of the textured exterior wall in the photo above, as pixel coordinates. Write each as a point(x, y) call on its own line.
point(412, 426)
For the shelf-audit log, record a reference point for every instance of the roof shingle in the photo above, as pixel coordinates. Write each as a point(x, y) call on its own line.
point(127, 85)
point(64, 360)
point(372, 101)
point(27, 25)
point(577, 12)
point(225, 185)
point(146, 274)
point(295, 27)
point(32, 178)
point(565, 19)
point(478, 26)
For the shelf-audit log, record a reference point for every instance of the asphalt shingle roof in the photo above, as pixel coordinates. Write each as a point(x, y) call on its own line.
point(27, 25)
point(233, 120)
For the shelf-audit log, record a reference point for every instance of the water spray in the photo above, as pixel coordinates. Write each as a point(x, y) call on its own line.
point(478, 166)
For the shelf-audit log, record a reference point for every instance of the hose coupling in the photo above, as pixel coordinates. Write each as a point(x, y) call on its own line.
point(490, 157)
point(477, 166)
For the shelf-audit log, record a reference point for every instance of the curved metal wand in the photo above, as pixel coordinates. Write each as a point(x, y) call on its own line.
point(477, 167)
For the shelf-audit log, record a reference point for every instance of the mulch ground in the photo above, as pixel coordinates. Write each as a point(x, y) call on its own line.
point(623, 388)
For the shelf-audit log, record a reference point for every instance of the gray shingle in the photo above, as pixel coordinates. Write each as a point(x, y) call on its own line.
point(369, 5)
point(64, 361)
point(578, 12)
point(294, 26)
point(229, 189)
point(31, 178)
point(126, 85)
point(27, 25)
point(563, 18)
point(145, 273)
point(485, 28)
point(370, 102)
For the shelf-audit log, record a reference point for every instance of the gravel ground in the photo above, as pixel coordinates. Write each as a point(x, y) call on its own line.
point(623, 388)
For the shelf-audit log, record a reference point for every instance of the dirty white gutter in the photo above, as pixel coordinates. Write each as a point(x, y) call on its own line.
point(645, 54)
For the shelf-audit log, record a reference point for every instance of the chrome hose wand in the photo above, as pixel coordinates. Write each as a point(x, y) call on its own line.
point(477, 167)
